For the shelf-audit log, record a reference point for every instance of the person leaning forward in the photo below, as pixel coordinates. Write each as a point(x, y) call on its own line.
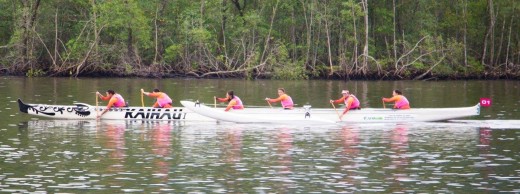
point(351, 102)
point(163, 100)
point(400, 101)
point(283, 98)
point(114, 100)
point(233, 101)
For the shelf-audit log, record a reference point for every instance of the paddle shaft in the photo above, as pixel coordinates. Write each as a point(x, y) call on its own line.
point(142, 99)
point(384, 106)
point(97, 106)
point(215, 100)
point(333, 106)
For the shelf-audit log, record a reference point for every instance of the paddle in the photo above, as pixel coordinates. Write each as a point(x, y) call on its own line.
point(266, 99)
point(384, 106)
point(142, 98)
point(332, 103)
point(97, 105)
point(215, 100)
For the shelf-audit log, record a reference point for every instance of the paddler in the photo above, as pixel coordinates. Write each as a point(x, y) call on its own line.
point(400, 101)
point(351, 102)
point(234, 102)
point(286, 100)
point(163, 100)
point(114, 100)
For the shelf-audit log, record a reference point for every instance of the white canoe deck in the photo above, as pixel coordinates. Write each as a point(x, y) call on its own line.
point(305, 115)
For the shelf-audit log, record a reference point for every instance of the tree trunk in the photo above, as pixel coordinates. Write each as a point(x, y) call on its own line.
point(29, 17)
point(497, 61)
point(156, 37)
point(489, 31)
point(308, 27)
point(224, 43)
point(328, 41)
point(464, 10)
point(365, 48)
point(54, 65)
point(356, 41)
point(293, 37)
point(202, 11)
point(394, 45)
point(509, 41)
point(94, 23)
point(267, 39)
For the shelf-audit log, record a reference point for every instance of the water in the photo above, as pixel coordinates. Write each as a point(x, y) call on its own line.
point(56, 156)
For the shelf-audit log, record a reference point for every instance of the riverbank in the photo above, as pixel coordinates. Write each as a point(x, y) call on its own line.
point(486, 75)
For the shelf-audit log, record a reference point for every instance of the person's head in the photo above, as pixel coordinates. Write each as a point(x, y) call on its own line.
point(345, 92)
point(230, 95)
point(156, 90)
point(397, 92)
point(281, 91)
point(111, 92)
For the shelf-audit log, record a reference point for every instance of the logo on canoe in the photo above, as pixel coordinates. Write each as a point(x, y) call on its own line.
point(374, 118)
point(153, 115)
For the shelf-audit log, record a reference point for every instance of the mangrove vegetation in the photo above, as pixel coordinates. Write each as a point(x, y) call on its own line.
point(274, 39)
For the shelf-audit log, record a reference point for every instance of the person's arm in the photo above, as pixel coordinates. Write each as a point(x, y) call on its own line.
point(104, 98)
point(154, 95)
point(231, 104)
point(393, 99)
point(280, 98)
point(349, 103)
point(109, 105)
point(338, 101)
point(222, 99)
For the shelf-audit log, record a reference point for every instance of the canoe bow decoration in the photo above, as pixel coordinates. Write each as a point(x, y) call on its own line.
point(81, 109)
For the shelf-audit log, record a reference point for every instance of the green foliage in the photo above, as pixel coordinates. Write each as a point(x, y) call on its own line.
point(283, 68)
point(476, 66)
point(173, 52)
point(290, 71)
point(221, 36)
point(121, 17)
point(34, 73)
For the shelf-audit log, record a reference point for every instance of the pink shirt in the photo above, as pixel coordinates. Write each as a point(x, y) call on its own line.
point(239, 104)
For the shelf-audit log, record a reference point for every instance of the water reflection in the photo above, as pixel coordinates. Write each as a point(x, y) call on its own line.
point(350, 150)
point(112, 139)
point(161, 140)
point(231, 146)
point(350, 141)
point(284, 144)
point(159, 157)
point(399, 158)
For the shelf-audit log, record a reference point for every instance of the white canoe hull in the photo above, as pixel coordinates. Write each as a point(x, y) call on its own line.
point(81, 111)
point(365, 115)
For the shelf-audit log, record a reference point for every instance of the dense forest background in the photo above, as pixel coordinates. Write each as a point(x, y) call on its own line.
point(278, 39)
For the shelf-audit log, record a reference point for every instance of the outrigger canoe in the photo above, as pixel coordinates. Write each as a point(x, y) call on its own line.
point(82, 111)
point(320, 115)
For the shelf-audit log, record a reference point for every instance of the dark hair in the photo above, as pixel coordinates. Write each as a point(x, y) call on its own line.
point(283, 90)
point(156, 90)
point(111, 92)
point(398, 92)
point(231, 95)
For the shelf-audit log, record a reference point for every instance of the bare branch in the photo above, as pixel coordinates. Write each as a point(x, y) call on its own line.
point(431, 68)
point(410, 51)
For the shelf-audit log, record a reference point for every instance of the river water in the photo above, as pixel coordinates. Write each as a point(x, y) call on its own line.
point(479, 155)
